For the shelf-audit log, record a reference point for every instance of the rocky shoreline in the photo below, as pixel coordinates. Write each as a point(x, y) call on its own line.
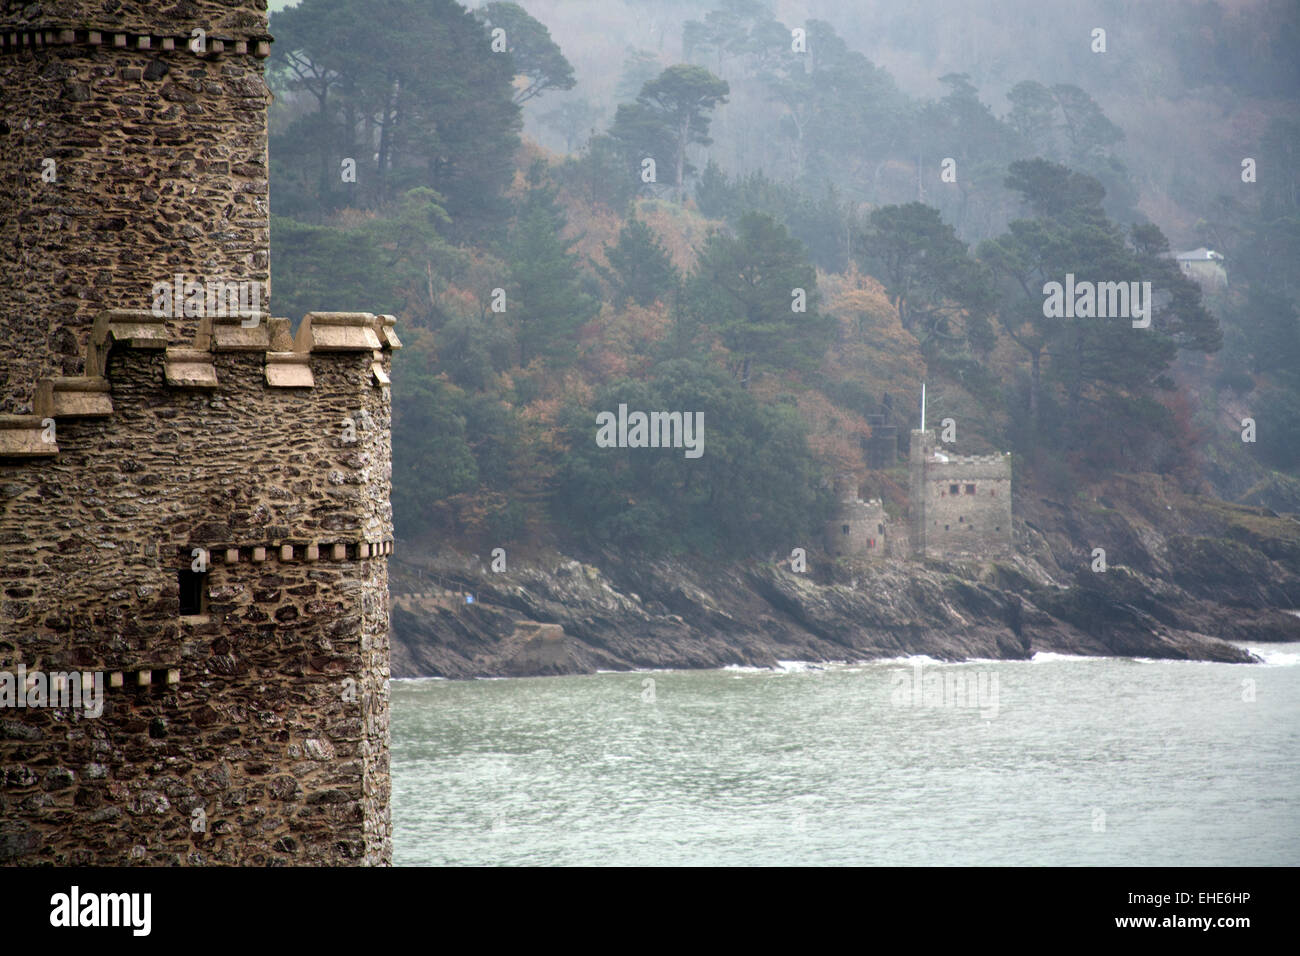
point(1187, 576)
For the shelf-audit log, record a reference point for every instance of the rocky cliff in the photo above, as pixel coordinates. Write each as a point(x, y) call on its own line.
point(1185, 576)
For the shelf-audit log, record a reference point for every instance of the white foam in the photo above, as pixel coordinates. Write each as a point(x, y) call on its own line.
point(1046, 657)
point(415, 680)
point(1275, 658)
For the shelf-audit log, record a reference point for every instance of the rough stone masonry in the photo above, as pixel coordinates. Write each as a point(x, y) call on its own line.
point(195, 505)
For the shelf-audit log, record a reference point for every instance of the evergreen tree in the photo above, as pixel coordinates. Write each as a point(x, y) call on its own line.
point(747, 288)
point(550, 305)
point(377, 102)
point(536, 56)
point(644, 271)
point(680, 97)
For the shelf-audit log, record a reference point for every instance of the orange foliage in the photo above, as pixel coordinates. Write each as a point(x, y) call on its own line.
point(681, 231)
point(835, 435)
point(873, 346)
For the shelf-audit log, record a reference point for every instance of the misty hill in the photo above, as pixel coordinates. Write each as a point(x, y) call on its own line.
point(787, 223)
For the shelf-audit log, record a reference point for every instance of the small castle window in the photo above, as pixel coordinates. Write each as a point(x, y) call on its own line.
point(953, 489)
point(945, 527)
point(193, 589)
point(844, 528)
point(880, 529)
point(961, 519)
point(970, 489)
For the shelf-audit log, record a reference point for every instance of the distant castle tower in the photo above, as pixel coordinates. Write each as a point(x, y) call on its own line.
point(858, 528)
point(960, 505)
point(195, 504)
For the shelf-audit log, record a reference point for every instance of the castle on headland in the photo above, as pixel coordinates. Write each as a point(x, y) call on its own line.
point(959, 507)
point(194, 504)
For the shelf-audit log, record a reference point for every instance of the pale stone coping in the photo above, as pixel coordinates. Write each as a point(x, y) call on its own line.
point(387, 331)
point(227, 333)
point(36, 37)
point(134, 328)
point(337, 332)
point(289, 370)
point(318, 332)
point(297, 550)
point(73, 397)
point(21, 437)
point(287, 362)
point(189, 368)
point(140, 677)
point(974, 459)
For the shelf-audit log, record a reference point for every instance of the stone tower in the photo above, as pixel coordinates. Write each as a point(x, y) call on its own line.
point(194, 503)
point(858, 528)
point(960, 504)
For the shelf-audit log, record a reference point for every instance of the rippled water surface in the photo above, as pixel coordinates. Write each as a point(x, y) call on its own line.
point(1081, 761)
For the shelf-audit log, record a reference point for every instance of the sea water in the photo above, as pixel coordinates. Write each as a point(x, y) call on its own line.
point(1095, 761)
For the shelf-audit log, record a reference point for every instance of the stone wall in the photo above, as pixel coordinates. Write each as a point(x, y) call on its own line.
point(965, 502)
point(976, 517)
point(253, 727)
point(859, 529)
point(159, 167)
point(277, 725)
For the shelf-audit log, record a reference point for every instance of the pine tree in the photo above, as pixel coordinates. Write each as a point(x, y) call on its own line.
point(549, 305)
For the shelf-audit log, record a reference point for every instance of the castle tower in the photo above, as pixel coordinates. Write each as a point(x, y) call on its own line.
point(960, 504)
point(126, 156)
point(857, 528)
point(194, 506)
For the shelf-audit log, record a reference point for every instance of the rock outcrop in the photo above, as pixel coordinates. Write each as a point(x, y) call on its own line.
point(1185, 577)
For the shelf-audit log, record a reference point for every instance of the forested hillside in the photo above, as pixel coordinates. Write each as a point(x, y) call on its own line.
point(744, 216)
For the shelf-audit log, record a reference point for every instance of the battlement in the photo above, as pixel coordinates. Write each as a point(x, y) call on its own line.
point(858, 527)
point(197, 505)
point(998, 459)
point(42, 37)
point(957, 467)
point(287, 364)
point(137, 17)
point(960, 504)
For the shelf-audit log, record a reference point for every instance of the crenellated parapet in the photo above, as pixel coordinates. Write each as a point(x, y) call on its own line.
point(970, 466)
point(134, 150)
point(960, 505)
point(287, 363)
point(40, 38)
point(135, 18)
point(212, 519)
point(194, 496)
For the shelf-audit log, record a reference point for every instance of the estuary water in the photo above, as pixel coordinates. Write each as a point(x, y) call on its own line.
point(1058, 760)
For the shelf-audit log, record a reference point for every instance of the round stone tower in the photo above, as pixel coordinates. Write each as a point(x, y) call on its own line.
point(194, 508)
point(133, 148)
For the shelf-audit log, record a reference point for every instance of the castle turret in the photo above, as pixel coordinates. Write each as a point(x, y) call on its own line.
point(857, 528)
point(195, 502)
point(133, 148)
point(960, 504)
